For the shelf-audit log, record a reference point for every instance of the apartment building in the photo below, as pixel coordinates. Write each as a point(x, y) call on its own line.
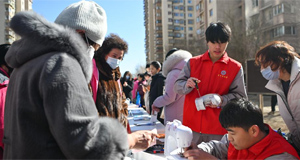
point(254, 23)
point(8, 8)
point(169, 24)
point(270, 20)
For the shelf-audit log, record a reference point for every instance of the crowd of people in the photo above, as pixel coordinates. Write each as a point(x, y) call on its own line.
point(62, 94)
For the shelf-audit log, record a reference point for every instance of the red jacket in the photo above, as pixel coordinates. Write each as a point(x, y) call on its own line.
point(272, 144)
point(215, 78)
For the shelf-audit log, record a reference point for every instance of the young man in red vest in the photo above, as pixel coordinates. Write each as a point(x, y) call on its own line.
point(248, 137)
point(219, 78)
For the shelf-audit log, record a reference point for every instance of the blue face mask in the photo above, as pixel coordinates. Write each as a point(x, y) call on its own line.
point(268, 74)
point(113, 62)
point(127, 77)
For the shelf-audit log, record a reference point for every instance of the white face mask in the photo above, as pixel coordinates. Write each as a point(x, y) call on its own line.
point(113, 62)
point(91, 50)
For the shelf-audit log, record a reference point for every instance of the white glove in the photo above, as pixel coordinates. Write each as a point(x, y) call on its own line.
point(208, 100)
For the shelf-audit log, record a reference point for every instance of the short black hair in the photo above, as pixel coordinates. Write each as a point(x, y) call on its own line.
point(241, 113)
point(171, 52)
point(218, 32)
point(3, 50)
point(156, 64)
point(147, 65)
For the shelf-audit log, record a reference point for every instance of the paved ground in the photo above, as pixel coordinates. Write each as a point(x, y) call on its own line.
point(275, 121)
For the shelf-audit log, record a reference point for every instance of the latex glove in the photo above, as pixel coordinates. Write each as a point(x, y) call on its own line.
point(208, 100)
point(212, 100)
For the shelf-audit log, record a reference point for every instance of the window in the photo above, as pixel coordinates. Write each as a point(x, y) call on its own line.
point(279, 31)
point(190, 8)
point(290, 30)
point(198, 19)
point(190, 35)
point(181, 14)
point(190, 28)
point(189, 1)
point(176, 14)
point(211, 12)
point(190, 21)
point(177, 28)
point(171, 34)
point(190, 15)
point(170, 20)
point(169, 13)
point(175, 7)
point(158, 21)
point(169, 6)
point(210, 1)
point(176, 21)
point(278, 9)
point(254, 3)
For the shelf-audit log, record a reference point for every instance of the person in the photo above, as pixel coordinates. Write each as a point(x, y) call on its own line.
point(219, 79)
point(146, 90)
point(273, 104)
point(140, 89)
point(280, 64)
point(127, 84)
point(5, 72)
point(248, 137)
point(109, 101)
point(148, 68)
point(156, 86)
point(49, 111)
point(174, 62)
point(134, 90)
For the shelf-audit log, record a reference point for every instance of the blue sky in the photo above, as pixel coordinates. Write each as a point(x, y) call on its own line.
point(124, 17)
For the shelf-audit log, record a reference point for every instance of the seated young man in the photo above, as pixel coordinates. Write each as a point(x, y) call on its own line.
point(248, 137)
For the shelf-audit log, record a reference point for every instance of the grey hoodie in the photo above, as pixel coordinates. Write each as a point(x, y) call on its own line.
point(50, 113)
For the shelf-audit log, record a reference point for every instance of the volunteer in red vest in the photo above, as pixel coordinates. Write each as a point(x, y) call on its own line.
point(219, 79)
point(248, 137)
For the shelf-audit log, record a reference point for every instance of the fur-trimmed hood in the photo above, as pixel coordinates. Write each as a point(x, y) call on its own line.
point(40, 37)
point(173, 60)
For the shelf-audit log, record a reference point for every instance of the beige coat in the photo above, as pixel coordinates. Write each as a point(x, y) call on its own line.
point(289, 107)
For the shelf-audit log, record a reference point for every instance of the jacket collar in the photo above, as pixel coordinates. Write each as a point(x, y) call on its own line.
point(223, 59)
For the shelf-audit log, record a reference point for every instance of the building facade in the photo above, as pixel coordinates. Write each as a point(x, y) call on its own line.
point(254, 23)
point(8, 8)
point(169, 24)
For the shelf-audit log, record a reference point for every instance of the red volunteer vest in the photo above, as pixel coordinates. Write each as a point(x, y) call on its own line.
point(272, 144)
point(215, 78)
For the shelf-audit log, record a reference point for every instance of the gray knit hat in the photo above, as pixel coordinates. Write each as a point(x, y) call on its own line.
point(87, 16)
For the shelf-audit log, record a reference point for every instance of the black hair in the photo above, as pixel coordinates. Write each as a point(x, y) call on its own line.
point(171, 52)
point(127, 72)
point(156, 64)
point(3, 50)
point(241, 113)
point(142, 76)
point(218, 32)
point(147, 74)
point(147, 65)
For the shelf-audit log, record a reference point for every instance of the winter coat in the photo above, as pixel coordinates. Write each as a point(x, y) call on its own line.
point(50, 113)
point(172, 101)
point(156, 88)
point(128, 89)
point(4, 79)
point(289, 107)
point(135, 86)
point(109, 100)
